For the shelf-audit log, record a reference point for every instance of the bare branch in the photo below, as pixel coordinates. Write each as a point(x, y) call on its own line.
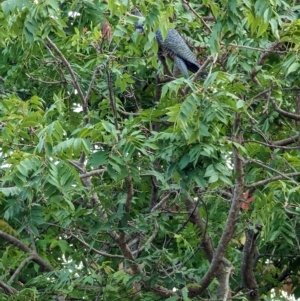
point(226, 282)
point(285, 113)
point(95, 250)
point(161, 202)
point(128, 113)
point(46, 82)
point(14, 241)
point(128, 254)
point(19, 269)
point(196, 219)
point(112, 102)
point(266, 181)
point(17, 243)
point(150, 239)
point(272, 145)
point(272, 169)
point(198, 16)
point(8, 289)
point(248, 278)
point(77, 166)
point(287, 141)
point(129, 194)
point(101, 66)
point(72, 74)
point(263, 58)
point(95, 172)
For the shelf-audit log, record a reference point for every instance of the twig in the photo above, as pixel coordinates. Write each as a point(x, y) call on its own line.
point(19, 269)
point(128, 113)
point(266, 181)
point(198, 74)
point(74, 79)
point(95, 172)
point(270, 168)
point(101, 66)
point(263, 58)
point(198, 16)
point(112, 103)
point(95, 250)
point(46, 82)
point(161, 202)
point(271, 145)
point(150, 239)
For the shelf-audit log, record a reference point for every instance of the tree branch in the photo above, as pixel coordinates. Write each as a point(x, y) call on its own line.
point(75, 81)
point(96, 251)
point(266, 181)
point(248, 278)
point(263, 58)
point(283, 112)
point(272, 169)
point(19, 269)
point(272, 145)
point(17, 243)
point(112, 103)
point(232, 217)
point(287, 141)
point(95, 172)
point(8, 289)
point(196, 219)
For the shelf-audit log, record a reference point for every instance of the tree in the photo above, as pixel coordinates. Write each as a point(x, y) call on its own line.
point(120, 181)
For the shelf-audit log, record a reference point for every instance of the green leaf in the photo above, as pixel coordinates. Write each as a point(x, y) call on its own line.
point(294, 67)
point(98, 158)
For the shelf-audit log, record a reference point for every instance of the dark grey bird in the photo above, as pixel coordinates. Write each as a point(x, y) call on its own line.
point(174, 47)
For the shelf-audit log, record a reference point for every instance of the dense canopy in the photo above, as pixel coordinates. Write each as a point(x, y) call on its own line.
point(123, 180)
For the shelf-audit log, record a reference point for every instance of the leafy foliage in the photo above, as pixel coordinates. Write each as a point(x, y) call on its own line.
point(120, 183)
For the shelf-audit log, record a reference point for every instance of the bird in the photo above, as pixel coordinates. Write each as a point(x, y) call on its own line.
point(174, 47)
